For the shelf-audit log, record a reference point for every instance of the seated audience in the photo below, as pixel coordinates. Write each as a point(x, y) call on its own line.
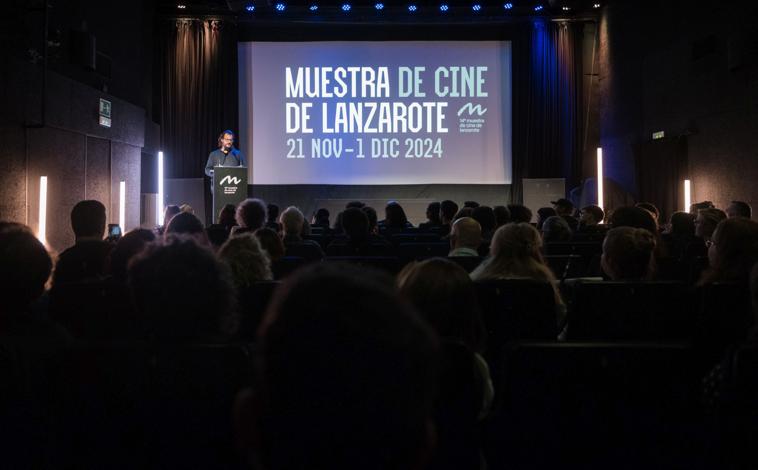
point(556, 229)
point(272, 211)
point(186, 223)
point(700, 205)
point(739, 209)
point(292, 221)
point(680, 239)
point(542, 214)
point(345, 377)
point(126, 248)
point(465, 237)
point(356, 204)
point(168, 213)
point(732, 251)
point(87, 259)
point(251, 215)
point(370, 212)
point(636, 217)
point(486, 218)
point(433, 220)
point(471, 204)
point(652, 209)
point(448, 209)
point(463, 212)
point(226, 216)
point(565, 208)
point(628, 254)
point(321, 219)
point(359, 241)
point(502, 216)
point(271, 242)
point(590, 217)
point(247, 260)
point(519, 214)
point(394, 218)
point(706, 222)
point(181, 291)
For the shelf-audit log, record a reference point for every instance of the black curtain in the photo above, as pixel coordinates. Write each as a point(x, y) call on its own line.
point(197, 63)
point(661, 167)
point(547, 100)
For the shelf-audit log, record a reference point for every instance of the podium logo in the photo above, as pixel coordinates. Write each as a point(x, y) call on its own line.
point(472, 109)
point(229, 179)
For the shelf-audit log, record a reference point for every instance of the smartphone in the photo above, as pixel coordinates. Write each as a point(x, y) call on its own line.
point(114, 231)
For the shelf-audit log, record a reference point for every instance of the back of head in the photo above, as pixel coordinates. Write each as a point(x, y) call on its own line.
point(464, 212)
point(251, 213)
point(355, 224)
point(556, 229)
point(443, 293)
point(346, 374)
point(700, 205)
point(739, 209)
point(433, 212)
point(682, 224)
point(246, 259)
point(373, 218)
point(650, 208)
point(563, 207)
point(273, 212)
point(185, 223)
point(88, 219)
point(271, 243)
point(25, 267)
point(226, 215)
point(628, 253)
point(395, 215)
point(471, 204)
point(734, 250)
point(292, 220)
point(466, 233)
point(180, 290)
point(502, 215)
point(169, 212)
point(542, 215)
point(486, 218)
point(707, 220)
point(126, 248)
point(356, 204)
point(321, 218)
point(520, 214)
point(595, 215)
point(448, 209)
point(635, 217)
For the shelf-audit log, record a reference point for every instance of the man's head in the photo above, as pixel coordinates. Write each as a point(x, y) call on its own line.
point(88, 219)
point(292, 221)
point(187, 224)
point(542, 215)
point(486, 218)
point(628, 253)
point(433, 212)
point(563, 207)
point(700, 205)
point(520, 214)
point(707, 220)
point(251, 213)
point(273, 212)
point(739, 209)
point(355, 224)
point(591, 215)
point(466, 233)
point(650, 207)
point(556, 229)
point(346, 375)
point(226, 140)
point(448, 209)
point(25, 267)
point(682, 224)
point(502, 215)
point(630, 216)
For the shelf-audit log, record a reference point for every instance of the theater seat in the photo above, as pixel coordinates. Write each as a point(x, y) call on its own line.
point(388, 264)
point(408, 252)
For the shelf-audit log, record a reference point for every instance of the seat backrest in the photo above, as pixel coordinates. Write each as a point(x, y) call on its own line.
point(419, 251)
point(418, 237)
point(388, 264)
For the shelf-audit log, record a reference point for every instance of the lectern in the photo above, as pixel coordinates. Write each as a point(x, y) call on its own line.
point(229, 187)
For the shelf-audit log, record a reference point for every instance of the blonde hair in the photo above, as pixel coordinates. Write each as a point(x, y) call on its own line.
point(246, 259)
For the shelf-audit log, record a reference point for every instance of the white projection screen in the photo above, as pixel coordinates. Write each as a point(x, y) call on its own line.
point(376, 113)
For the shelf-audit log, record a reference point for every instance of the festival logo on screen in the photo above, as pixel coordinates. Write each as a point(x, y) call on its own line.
point(381, 112)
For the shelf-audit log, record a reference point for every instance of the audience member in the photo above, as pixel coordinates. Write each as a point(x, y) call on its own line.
point(433, 220)
point(272, 211)
point(356, 204)
point(732, 251)
point(271, 243)
point(370, 212)
point(251, 215)
point(652, 209)
point(226, 216)
point(448, 209)
point(471, 204)
point(463, 212)
point(394, 217)
point(321, 218)
point(246, 259)
point(359, 241)
point(187, 208)
point(706, 222)
point(739, 209)
point(565, 208)
point(345, 378)
point(590, 217)
point(556, 229)
point(126, 248)
point(181, 291)
point(186, 223)
point(542, 214)
point(502, 216)
point(628, 254)
point(486, 218)
point(292, 221)
point(465, 237)
point(701, 205)
point(168, 213)
point(519, 214)
point(630, 216)
point(679, 238)
point(87, 259)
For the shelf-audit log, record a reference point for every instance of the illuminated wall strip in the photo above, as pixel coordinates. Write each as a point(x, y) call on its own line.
point(122, 206)
point(600, 197)
point(687, 195)
point(159, 202)
point(42, 210)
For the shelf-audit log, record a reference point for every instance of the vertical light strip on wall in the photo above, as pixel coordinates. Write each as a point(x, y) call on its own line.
point(42, 210)
point(687, 195)
point(159, 202)
point(122, 206)
point(600, 177)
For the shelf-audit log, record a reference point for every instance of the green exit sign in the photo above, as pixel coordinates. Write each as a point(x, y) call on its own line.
point(658, 135)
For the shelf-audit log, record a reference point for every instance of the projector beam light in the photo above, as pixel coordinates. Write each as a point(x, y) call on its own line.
point(122, 206)
point(159, 202)
point(687, 195)
point(42, 210)
point(600, 178)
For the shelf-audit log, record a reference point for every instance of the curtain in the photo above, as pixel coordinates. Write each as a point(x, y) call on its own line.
point(547, 128)
point(661, 166)
point(198, 90)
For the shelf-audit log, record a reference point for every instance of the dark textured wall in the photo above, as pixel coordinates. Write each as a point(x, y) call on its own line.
point(686, 71)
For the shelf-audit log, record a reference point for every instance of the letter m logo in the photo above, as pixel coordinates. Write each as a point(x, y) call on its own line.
point(472, 109)
point(229, 180)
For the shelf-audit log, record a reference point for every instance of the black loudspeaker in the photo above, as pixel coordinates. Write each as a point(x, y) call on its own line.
point(82, 50)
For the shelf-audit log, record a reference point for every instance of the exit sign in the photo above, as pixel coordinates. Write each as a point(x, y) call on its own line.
point(105, 113)
point(658, 135)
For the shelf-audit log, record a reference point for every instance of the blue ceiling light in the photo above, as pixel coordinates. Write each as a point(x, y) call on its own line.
point(538, 8)
point(476, 7)
point(346, 7)
point(508, 6)
point(379, 6)
point(444, 7)
point(313, 7)
point(250, 8)
point(280, 6)
point(412, 8)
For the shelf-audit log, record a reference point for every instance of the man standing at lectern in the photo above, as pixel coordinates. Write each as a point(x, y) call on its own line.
point(225, 155)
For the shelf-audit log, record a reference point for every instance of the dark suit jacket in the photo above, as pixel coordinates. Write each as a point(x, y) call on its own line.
point(219, 158)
